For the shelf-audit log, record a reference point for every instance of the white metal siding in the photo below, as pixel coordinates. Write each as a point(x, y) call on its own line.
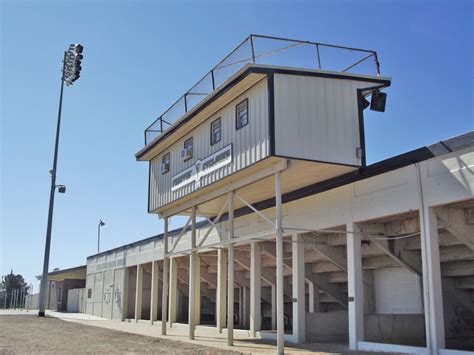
point(317, 118)
point(250, 144)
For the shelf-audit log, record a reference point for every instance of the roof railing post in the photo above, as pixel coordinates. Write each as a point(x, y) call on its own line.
point(186, 102)
point(319, 56)
point(252, 48)
point(377, 64)
point(213, 80)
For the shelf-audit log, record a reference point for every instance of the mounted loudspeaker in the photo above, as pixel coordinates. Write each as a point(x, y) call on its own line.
point(377, 103)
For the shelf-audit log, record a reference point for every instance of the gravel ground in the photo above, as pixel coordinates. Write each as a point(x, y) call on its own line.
point(31, 334)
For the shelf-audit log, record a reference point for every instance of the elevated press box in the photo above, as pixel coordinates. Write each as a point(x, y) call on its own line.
point(307, 122)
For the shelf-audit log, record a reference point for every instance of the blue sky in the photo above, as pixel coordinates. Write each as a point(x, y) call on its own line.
point(140, 56)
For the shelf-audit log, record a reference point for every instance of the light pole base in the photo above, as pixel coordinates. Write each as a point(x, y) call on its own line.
point(41, 314)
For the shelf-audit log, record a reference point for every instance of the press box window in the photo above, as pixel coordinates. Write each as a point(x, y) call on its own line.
point(187, 152)
point(242, 114)
point(216, 131)
point(165, 163)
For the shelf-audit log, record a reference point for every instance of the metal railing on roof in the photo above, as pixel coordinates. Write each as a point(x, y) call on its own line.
point(260, 49)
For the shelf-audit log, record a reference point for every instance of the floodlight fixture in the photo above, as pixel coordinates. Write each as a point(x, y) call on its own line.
point(72, 63)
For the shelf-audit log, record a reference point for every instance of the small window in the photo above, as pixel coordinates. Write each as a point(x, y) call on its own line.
point(188, 149)
point(165, 163)
point(89, 293)
point(216, 131)
point(242, 114)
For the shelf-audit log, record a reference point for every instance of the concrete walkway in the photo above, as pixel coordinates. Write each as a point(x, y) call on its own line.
point(205, 336)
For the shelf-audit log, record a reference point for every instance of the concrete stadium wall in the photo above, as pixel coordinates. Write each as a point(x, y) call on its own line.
point(407, 329)
point(445, 179)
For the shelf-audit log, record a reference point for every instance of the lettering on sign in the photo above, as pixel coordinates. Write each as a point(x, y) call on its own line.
point(202, 168)
point(110, 264)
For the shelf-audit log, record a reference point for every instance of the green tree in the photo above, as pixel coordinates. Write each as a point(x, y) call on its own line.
point(10, 283)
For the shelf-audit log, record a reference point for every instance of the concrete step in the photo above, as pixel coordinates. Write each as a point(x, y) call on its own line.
point(455, 253)
point(457, 268)
point(465, 283)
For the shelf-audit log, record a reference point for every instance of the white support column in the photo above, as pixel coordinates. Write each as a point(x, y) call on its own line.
point(154, 291)
point(125, 293)
point(255, 288)
point(192, 277)
point(164, 298)
point(221, 296)
point(431, 270)
point(274, 309)
point(112, 296)
point(230, 273)
point(299, 294)
point(313, 298)
point(173, 292)
point(355, 285)
point(279, 267)
point(139, 293)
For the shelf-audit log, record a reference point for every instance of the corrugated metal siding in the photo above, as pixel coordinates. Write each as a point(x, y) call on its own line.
point(317, 118)
point(250, 144)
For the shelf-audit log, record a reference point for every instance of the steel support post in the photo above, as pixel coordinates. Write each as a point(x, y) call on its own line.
point(164, 298)
point(230, 272)
point(221, 295)
point(197, 290)
point(355, 285)
point(279, 266)
point(299, 294)
point(173, 281)
point(139, 293)
point(154, 291)
point(255, 288)
point(192, 277)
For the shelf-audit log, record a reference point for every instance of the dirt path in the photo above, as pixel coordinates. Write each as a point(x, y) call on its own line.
point(31, 334)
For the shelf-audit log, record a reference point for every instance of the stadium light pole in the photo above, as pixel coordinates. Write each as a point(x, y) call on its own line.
point(99, 225)
point(69, 74)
